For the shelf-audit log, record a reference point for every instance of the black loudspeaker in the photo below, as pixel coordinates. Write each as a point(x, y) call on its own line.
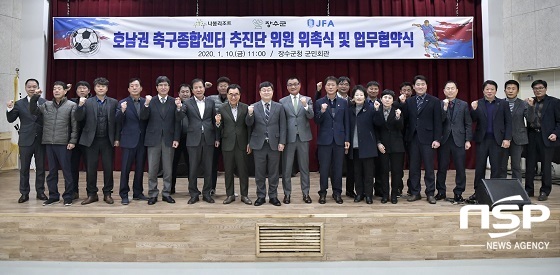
point(493, 190)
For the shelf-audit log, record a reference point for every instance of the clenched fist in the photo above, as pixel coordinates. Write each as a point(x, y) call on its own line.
point(530, 101)
point(123, 106)
point(402, 98)
point(10, 104)
point(376, 105)
point(251, 109)
point(474, 105)
point(218, 118)
point(323, 107)
point(303, 101)
point(398, 113)
point(445, 104)
point(319, 86)
point(178, 102)
point(82, 101)
point(148, 99)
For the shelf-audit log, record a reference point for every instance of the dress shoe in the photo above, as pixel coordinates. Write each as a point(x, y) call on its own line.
point(208, 199)
point(458, 199)
point(67, 202)
point(125, 201)
point(23, 198)
point(152, 201)
point(140, 197)
point(274, 201)
point(440, 196)
point(307, 199)
point(229, 199)
point(246, 200)
point(369, 199)
point(394, 200)
point(259, 202)
point(50, 201)
point(350, 194)
point(107, 198)
point(90, 199)
point(286, 199)
point(412, 198)
point(543, 196)
point(322, 199)
point(76, 196)
point(338, 199)
point(384, 200)
point(193, 200)
point(472, 199)
point(358, 198)
point(167, 199)
point(42, 196)
point(431, 199)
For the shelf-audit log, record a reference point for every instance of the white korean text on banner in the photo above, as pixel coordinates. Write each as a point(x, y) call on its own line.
point(263, 37)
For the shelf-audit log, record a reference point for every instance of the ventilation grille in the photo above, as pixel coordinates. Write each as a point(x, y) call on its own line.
point(289, 240)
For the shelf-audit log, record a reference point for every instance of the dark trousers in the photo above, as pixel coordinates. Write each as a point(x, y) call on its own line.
point(488, 148)
point(25, 155)
point(330, 160)
point(78, 154)
point(99, 146)
point(267, 161)
point(232, 160)
point(350, 177)
point(377, 189)
point(421, 153)
point(537, 151)
point(136, 156)
point(393, 163)
point(215, 158)
point(200, 156)
point(181, 150)
point(363, 174)
point(515, 152)
point(59, 157)
point(447, 151)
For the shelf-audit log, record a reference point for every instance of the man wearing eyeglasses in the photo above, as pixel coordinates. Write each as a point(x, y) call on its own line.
point(298, 109)
point(543, 132)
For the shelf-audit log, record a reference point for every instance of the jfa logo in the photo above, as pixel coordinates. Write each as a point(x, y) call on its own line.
point(513, 226)
point(319, 23)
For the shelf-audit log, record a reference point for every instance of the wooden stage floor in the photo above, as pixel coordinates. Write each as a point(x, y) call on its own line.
point(206, 232)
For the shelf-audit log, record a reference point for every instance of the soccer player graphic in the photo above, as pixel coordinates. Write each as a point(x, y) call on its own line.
point(430, 37)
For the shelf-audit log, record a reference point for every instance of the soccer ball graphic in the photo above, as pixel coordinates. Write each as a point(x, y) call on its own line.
point(85, 41)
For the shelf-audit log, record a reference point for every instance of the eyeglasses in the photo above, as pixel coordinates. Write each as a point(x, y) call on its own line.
point(233, 95)
point(538, 88)
point(293, 84)
point(344, 84)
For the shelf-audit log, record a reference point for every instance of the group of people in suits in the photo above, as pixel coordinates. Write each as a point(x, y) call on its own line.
point(371, 133)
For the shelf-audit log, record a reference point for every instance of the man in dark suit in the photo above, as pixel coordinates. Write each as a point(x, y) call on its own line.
point(202, 138)
point(298, 110)
point(162, 137)
point(544, 132)
point(518, 111)
point(235, 143)
point(29, 142)
point(79, 152)
point(457, 134)
point(268, 137)
point(131, 131)
point(492, 133)
point(333, 137)
point(98, 136)
point(423, 134)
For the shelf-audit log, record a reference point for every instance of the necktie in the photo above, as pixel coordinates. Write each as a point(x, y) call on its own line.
point(266, 112)
point(418, 102)
point(163, 100)
point(294, 100)
point(137, 106)
point(451, 105)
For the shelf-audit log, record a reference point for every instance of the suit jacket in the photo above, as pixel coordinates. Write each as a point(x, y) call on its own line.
point(518, 127)
point(298, 120)
point(276, 126)
point(390, 132)
point(550, 121)
point(234, 132)
point(458, 125)
point(426, 121)
point(131, 130)
point(501, 123)
point(196, 122)
point(88, 113)
point(31, 126)
point(332, 128)
point(162, 122)
point(367, 142)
